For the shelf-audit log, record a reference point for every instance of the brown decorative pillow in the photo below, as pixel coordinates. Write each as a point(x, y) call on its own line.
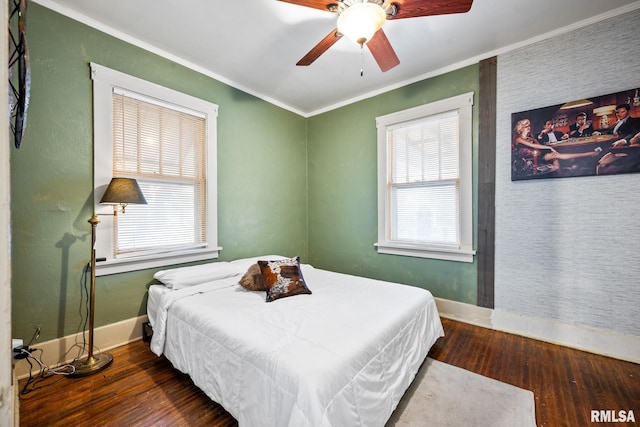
point(252, 279)
point(283, 278)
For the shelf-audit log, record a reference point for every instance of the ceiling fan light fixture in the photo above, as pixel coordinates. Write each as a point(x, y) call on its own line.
point(360, 21)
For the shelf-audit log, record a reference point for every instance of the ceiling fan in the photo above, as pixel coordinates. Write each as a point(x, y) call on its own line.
point(362, 21)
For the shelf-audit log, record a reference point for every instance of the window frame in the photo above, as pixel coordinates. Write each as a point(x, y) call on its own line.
point(463, 252)
point(104, 82)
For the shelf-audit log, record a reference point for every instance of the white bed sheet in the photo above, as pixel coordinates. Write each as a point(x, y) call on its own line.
point(343, 356)
point(154, 301)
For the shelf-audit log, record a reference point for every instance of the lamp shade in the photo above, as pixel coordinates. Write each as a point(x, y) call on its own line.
point(123, 191)
point(604, 111)
point(360, 21)
point(576, 104)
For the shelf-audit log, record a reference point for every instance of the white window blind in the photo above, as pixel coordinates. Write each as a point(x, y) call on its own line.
point(163, 147)
point(423, 180)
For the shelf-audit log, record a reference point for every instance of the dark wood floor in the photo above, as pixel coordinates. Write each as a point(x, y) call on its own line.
point(140, 389)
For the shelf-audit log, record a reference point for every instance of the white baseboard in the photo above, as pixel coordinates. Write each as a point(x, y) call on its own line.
point(61, 350)
point(599, 341)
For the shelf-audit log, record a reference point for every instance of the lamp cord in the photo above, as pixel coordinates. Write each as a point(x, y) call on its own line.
point(45, 372)
point(84, 300)
point(84, 317)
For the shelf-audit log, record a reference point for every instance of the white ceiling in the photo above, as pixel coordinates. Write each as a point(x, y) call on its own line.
point(253, 45)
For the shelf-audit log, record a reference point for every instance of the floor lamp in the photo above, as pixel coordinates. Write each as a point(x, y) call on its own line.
point(121, 191)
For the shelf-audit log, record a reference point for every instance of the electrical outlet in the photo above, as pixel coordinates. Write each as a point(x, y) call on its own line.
point(18, 349)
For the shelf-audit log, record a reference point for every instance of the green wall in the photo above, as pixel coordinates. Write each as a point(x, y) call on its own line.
point(343, 204)
point(261, 162)
point(324, 168)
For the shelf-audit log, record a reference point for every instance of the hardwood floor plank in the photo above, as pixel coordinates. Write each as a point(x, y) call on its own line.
point(141, 389)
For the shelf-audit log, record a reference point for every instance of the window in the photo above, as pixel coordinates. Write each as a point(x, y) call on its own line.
point(166, 140)
point(425, 181)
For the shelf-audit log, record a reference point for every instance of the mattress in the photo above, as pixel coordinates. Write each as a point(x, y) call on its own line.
point(342, 356)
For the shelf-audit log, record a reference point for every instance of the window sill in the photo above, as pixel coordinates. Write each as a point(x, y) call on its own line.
point(447, 254)
point(122, 265)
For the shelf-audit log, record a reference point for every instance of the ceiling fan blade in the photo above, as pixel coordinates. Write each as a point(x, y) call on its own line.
point(315, 4)
point(320, 48)
point(382, 51)
point(415, 8)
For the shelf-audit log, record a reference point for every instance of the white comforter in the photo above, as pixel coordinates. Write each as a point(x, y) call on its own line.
point(343, 356)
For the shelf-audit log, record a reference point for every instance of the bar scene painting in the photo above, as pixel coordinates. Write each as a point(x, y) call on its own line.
point(595, 136)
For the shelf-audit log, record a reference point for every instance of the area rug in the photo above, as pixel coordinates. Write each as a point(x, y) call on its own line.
point(443, 395)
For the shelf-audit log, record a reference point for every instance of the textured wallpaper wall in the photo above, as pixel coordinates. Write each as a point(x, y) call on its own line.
point(569, 249)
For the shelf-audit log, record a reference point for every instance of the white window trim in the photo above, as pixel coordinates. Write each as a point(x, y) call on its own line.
point(464, 252)
point(104, 82)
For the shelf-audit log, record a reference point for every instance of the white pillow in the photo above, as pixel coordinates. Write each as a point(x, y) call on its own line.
point(182, 277)
point(245, 263)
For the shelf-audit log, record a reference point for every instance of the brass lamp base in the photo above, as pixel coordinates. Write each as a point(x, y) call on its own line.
point(91, 365)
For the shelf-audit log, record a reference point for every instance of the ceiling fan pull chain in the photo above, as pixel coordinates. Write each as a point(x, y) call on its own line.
point(361, 59)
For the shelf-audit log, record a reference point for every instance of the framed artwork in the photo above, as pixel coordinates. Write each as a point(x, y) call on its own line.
point(595, 136)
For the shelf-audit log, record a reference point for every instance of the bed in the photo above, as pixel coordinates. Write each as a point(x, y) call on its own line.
point(341, 355)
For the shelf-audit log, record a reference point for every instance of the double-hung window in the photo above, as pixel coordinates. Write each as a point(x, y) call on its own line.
point(425, 181)
point(166, 140)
